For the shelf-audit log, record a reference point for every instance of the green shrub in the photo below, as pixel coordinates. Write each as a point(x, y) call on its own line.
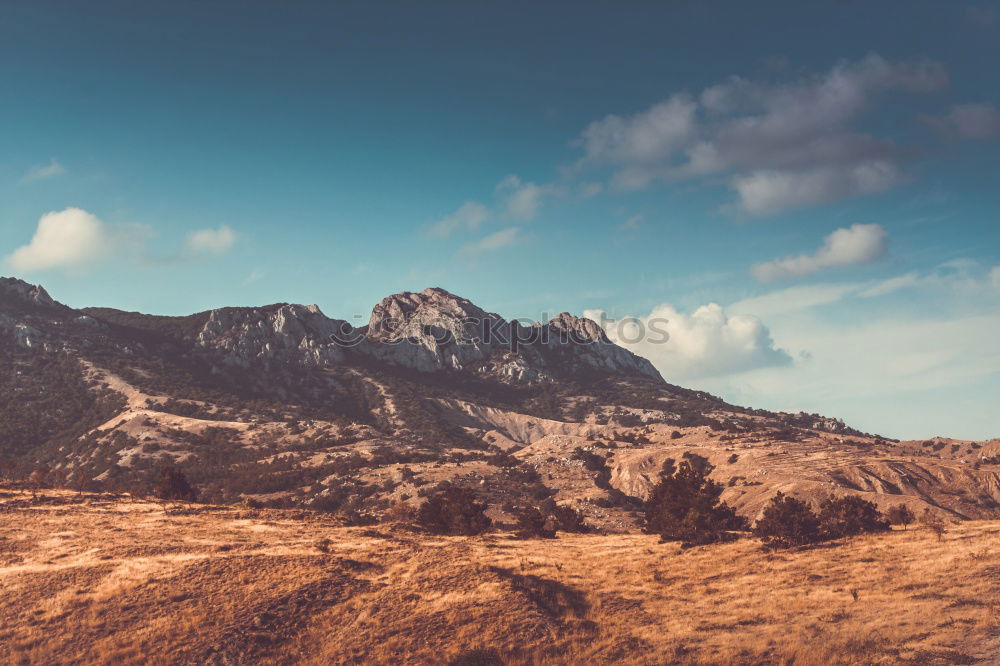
point(787, 522)
point(684, 505)
point(849, 516)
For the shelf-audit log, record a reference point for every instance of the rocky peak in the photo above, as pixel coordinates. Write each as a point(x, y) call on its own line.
point(577, 328)
point(30, 294)
point(404, 315)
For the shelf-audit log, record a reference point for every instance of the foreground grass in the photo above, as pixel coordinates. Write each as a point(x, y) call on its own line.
point(94, 580)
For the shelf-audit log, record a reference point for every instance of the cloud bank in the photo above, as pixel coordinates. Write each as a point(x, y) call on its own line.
point(778, 146)
point(75, 240)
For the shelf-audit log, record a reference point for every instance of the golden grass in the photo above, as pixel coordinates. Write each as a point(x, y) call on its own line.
point(120, 582)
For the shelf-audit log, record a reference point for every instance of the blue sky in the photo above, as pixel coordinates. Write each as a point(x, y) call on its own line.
point(807, 191)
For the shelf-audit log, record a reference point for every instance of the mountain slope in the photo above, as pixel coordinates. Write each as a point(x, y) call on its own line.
point(287, 406)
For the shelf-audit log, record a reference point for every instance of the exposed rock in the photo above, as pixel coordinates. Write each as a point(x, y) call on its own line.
point(289, 333)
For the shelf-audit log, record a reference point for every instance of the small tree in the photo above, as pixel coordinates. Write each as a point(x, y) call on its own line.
point(173, 485)
point(849, 516)
point(933, 522)
point(684, 505)
point(900, 515)
point(787, 522)
point(39, 479)
point(454, 511)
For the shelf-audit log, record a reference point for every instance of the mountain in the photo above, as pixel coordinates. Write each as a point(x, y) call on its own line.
point(283, 405)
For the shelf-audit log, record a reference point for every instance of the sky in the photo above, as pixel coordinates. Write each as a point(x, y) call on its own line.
point(805, 195)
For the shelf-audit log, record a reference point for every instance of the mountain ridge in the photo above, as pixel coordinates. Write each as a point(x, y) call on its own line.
point(284, 405)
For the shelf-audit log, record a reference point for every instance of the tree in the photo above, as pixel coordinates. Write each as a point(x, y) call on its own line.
point(532, 523)
point(900, 515)
point(684, 505)
point(848, 516)
point(38, 479)
point(173, 485)
point(787, 522)
point(453, 510)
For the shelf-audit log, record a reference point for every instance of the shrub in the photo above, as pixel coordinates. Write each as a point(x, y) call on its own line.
point(787, 522)
point(454, 511)
point(173, 485)
point(400, 512)
point(567, 519)
point(684, 505)
point(900, 515)
point(849, 516)
point(533, 524)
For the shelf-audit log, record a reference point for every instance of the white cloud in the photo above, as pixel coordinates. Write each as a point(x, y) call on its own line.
point(769, 192)
point(469, 215)
point(975, 121)
point(646, 138)
point(708, 342)
point(50, 170)
point(855, 245)
point(70, 239)
point(494, 241)
point(784, 146)
point(995, 277)
point(210, 241)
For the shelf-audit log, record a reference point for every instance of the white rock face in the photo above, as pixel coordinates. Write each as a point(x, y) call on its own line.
point(435, 329)
point(289, 333)
point(432, 330)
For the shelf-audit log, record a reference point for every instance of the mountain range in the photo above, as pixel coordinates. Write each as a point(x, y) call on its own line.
point(284, 406)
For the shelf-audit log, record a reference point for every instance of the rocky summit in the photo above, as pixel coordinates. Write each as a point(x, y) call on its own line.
point(283, 406)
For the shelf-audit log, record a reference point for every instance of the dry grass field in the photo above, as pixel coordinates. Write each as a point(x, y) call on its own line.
point(98, 580)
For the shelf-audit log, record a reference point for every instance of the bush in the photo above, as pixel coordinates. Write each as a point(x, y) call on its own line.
point(848, 516)
point(900, 515)
point(533, 524)
point(454, 511)
point(567, 519)
point(684, 505)
point(787, 522)
point(173, 485)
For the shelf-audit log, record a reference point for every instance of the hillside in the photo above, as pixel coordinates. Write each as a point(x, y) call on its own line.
point(98, 580)
point(286, 407)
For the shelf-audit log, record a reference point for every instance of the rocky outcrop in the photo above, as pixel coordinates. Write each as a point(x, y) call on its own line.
point(436, 330)
point(287, 333)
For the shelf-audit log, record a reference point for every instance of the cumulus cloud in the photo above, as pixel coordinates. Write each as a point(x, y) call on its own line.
point(210, 241)
point(71, 239)
point(975, 121)
point(783, 146)
point(706, 343)
point(852, 246)
point(469, 216)
point(43, 172)
point(494, 241)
